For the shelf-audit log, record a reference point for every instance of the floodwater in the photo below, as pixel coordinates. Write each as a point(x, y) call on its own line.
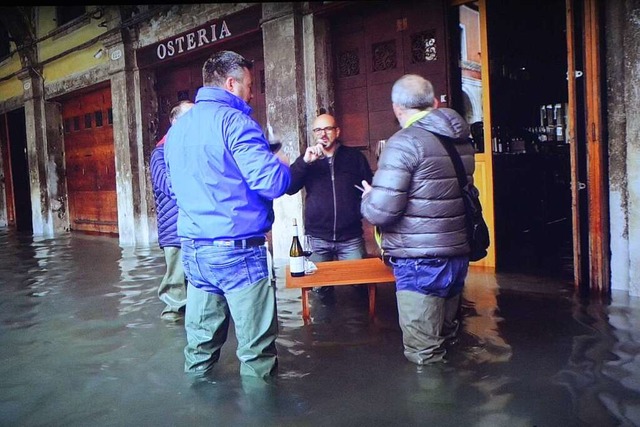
point(82, 343)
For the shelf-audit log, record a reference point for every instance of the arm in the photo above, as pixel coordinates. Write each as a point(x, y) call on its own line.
point(159, 172)
point(261, 169)
point(386, 202)
point(299, 170)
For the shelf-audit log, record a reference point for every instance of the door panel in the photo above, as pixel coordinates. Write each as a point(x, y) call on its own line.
point(588, 152)
point(354, 121)
point(7, 176)
point(372, 49)
point(90, 162)
point(351, 82)
point(424, 46)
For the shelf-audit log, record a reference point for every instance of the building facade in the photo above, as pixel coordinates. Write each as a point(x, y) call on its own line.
point(85, 93)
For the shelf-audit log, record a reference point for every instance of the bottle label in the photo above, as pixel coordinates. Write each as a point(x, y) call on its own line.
point(296, 264)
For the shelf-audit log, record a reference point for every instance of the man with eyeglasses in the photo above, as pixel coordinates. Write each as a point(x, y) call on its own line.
point(331, 174)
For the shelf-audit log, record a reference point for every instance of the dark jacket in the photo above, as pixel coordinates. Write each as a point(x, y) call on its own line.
point(332, 202)
point(166, 208)
point(416, 199)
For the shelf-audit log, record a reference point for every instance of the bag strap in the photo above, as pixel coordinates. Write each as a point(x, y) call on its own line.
point(462, 177)
point(455, 158)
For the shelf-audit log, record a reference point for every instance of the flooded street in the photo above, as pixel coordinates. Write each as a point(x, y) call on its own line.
point(82, 343)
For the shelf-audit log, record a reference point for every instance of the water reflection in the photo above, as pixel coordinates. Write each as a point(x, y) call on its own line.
point(82, 343)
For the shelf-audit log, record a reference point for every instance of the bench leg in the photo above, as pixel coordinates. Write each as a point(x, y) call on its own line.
point(306, 317)
point(372, 300)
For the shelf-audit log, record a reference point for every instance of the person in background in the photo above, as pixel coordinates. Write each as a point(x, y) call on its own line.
point(225, 178)
point(415, 200)
point(172, 290)
point(331, 174)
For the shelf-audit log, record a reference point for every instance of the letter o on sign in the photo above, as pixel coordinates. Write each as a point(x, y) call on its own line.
point(161, 51)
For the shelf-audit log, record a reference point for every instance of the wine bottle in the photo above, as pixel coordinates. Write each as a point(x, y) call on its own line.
point(296, 254)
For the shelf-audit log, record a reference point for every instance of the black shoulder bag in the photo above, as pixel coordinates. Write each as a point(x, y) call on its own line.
point(477, 230)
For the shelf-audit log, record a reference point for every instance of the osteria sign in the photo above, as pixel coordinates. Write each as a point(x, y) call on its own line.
point(202, 37)
point(192, 40)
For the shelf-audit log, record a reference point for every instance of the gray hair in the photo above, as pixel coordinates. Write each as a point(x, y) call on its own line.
point(413, 91)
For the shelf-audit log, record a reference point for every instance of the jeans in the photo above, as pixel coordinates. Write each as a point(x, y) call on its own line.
point(326, 250)
point(173, 290)
point(428, 297)
point(225, 283)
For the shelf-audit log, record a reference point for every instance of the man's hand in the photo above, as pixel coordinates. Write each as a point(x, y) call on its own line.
point(366, 187)
point(314, 153)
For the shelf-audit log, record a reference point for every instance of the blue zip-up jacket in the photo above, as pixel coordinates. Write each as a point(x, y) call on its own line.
point(166, 208)
point(221, 170)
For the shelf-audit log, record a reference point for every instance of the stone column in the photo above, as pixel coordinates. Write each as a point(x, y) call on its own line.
point(617, 150)
point(284, 92)
point(631, 41)
point(622, 36)
point(45, 158)
point(132, 183)
point(317, 48)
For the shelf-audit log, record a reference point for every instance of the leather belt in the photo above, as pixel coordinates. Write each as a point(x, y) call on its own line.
point(243, 243)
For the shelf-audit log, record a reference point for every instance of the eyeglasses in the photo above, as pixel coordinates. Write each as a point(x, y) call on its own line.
point(328, 129)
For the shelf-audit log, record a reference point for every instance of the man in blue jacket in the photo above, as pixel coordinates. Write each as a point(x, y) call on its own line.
point(225, 178)
point(172, 290)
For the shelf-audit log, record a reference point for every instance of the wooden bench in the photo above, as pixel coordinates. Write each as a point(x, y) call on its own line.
point(369, 271)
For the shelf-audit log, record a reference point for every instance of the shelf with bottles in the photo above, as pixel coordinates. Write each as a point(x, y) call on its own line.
point(505, 140)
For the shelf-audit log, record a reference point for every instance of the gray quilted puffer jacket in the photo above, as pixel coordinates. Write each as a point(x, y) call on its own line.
point(416, 200)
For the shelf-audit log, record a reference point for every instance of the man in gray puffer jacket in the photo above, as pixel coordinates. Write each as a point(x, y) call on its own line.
point(416, 202)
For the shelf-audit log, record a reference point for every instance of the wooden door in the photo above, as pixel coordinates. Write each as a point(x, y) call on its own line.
point(90, 164)
point(588, 152)
point(372, 48)
point(13, 139)
point(7, 176)
point(182, 81)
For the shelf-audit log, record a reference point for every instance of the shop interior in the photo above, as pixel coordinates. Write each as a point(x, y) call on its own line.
point(531, 158)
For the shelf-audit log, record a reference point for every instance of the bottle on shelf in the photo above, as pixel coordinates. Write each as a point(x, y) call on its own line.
point(558, 114)
point(296, 254)
point(551, 127)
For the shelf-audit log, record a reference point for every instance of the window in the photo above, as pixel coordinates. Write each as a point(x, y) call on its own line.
point(110, 116)
point(98, 116)
point(65, 14)
point(87, 121)
point(463, 42)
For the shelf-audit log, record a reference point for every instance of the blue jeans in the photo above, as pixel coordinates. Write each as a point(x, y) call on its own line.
point(227, 283)
point(326, 250)
point(439, 277)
